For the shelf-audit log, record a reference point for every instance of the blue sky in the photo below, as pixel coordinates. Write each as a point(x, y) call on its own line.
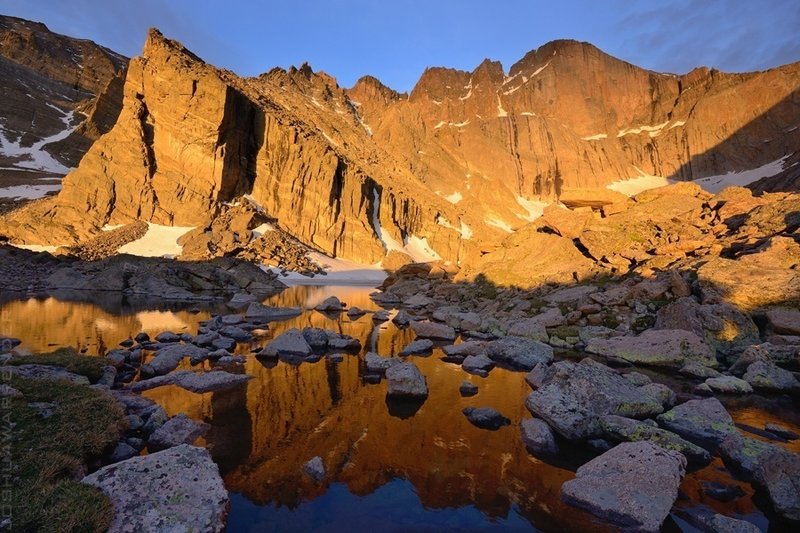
point(395, 40)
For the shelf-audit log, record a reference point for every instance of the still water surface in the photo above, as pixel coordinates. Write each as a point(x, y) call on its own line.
point(390, 467)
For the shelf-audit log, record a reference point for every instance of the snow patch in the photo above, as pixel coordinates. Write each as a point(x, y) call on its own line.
point(262, 229)
point(500, 224)
point(464, 230)
point(651, 130)
point(28, 192)
point(640, 183)
point(714, 184)
point(35, 157)
point(454, 198)
point(595, 137)
point(535, 208)
point(500, 111)
point(419, 249)
point(339, 272)
point(159, 241)
point(528, 114)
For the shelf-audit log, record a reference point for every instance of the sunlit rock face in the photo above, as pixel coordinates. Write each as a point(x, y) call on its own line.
point(451, 168)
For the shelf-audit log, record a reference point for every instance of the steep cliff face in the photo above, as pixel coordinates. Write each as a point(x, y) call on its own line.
point(49, 84)
point(448, 171)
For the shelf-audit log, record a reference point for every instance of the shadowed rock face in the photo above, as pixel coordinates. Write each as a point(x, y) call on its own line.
point(456, 163)
point(45, 76)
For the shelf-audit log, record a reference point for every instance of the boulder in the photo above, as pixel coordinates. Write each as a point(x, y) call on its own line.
point(485, 418)
point(168, 337)
point(290, 342)
point(406, 381)
point(572, 397)
point(465, 348)
point(345, 343)
point(478, 364)
point(121, 452)
point(618, 428)
point(784, 321)
point(433, 330)
point(241, 300)
point(538, 437)
point(355, 312)
point(663, 394)
point(168, 358)
point(519, 352)
point(703, 422)
point(696, 370)
point(317, 338)
point(418, 347)
point(217, 380)
point(632, 486)
point(178, 489)
point(332, 304)
point(708, 521)
point(263, 313)
point(180, 429)
point(767, 376)
point(467, 389)
point(669, 347)
point(236, 333)
point(530, 328)
point(721, 325)
point(771, 468)
point(729, 385)
point(377, 364)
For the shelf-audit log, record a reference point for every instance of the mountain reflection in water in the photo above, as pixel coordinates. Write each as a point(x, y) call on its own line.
point(389, 466)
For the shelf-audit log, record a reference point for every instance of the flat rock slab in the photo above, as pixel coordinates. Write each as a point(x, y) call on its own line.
point(46, 372)
point(704, 422)
point(418, 347)
point(671, 348)
point(214, 381)
point(633, 485)
point(178, 489)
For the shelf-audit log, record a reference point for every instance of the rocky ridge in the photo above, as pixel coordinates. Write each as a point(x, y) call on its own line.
point(364, 172)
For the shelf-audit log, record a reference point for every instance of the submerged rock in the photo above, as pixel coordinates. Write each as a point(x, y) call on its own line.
point(178, 489)
point(632, 486)
point(467, 389)
point(406, 381)
point(262, 313)
point(485, 417)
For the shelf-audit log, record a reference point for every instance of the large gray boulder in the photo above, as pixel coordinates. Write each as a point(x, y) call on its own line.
point(519, 352)
point(178, 489)
point(671, 348)
point(784, 321)
point(572, 397)
point(703, 422)
point(770, 467)
point(290, 342)
point(766, 375)
point(406, 381)
point(632, 486)
point(621, 429)
point(478, 364)
point(180, 429)
point(721, 325)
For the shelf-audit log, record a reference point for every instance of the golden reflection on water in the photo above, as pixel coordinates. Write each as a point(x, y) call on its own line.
point(263, 433)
